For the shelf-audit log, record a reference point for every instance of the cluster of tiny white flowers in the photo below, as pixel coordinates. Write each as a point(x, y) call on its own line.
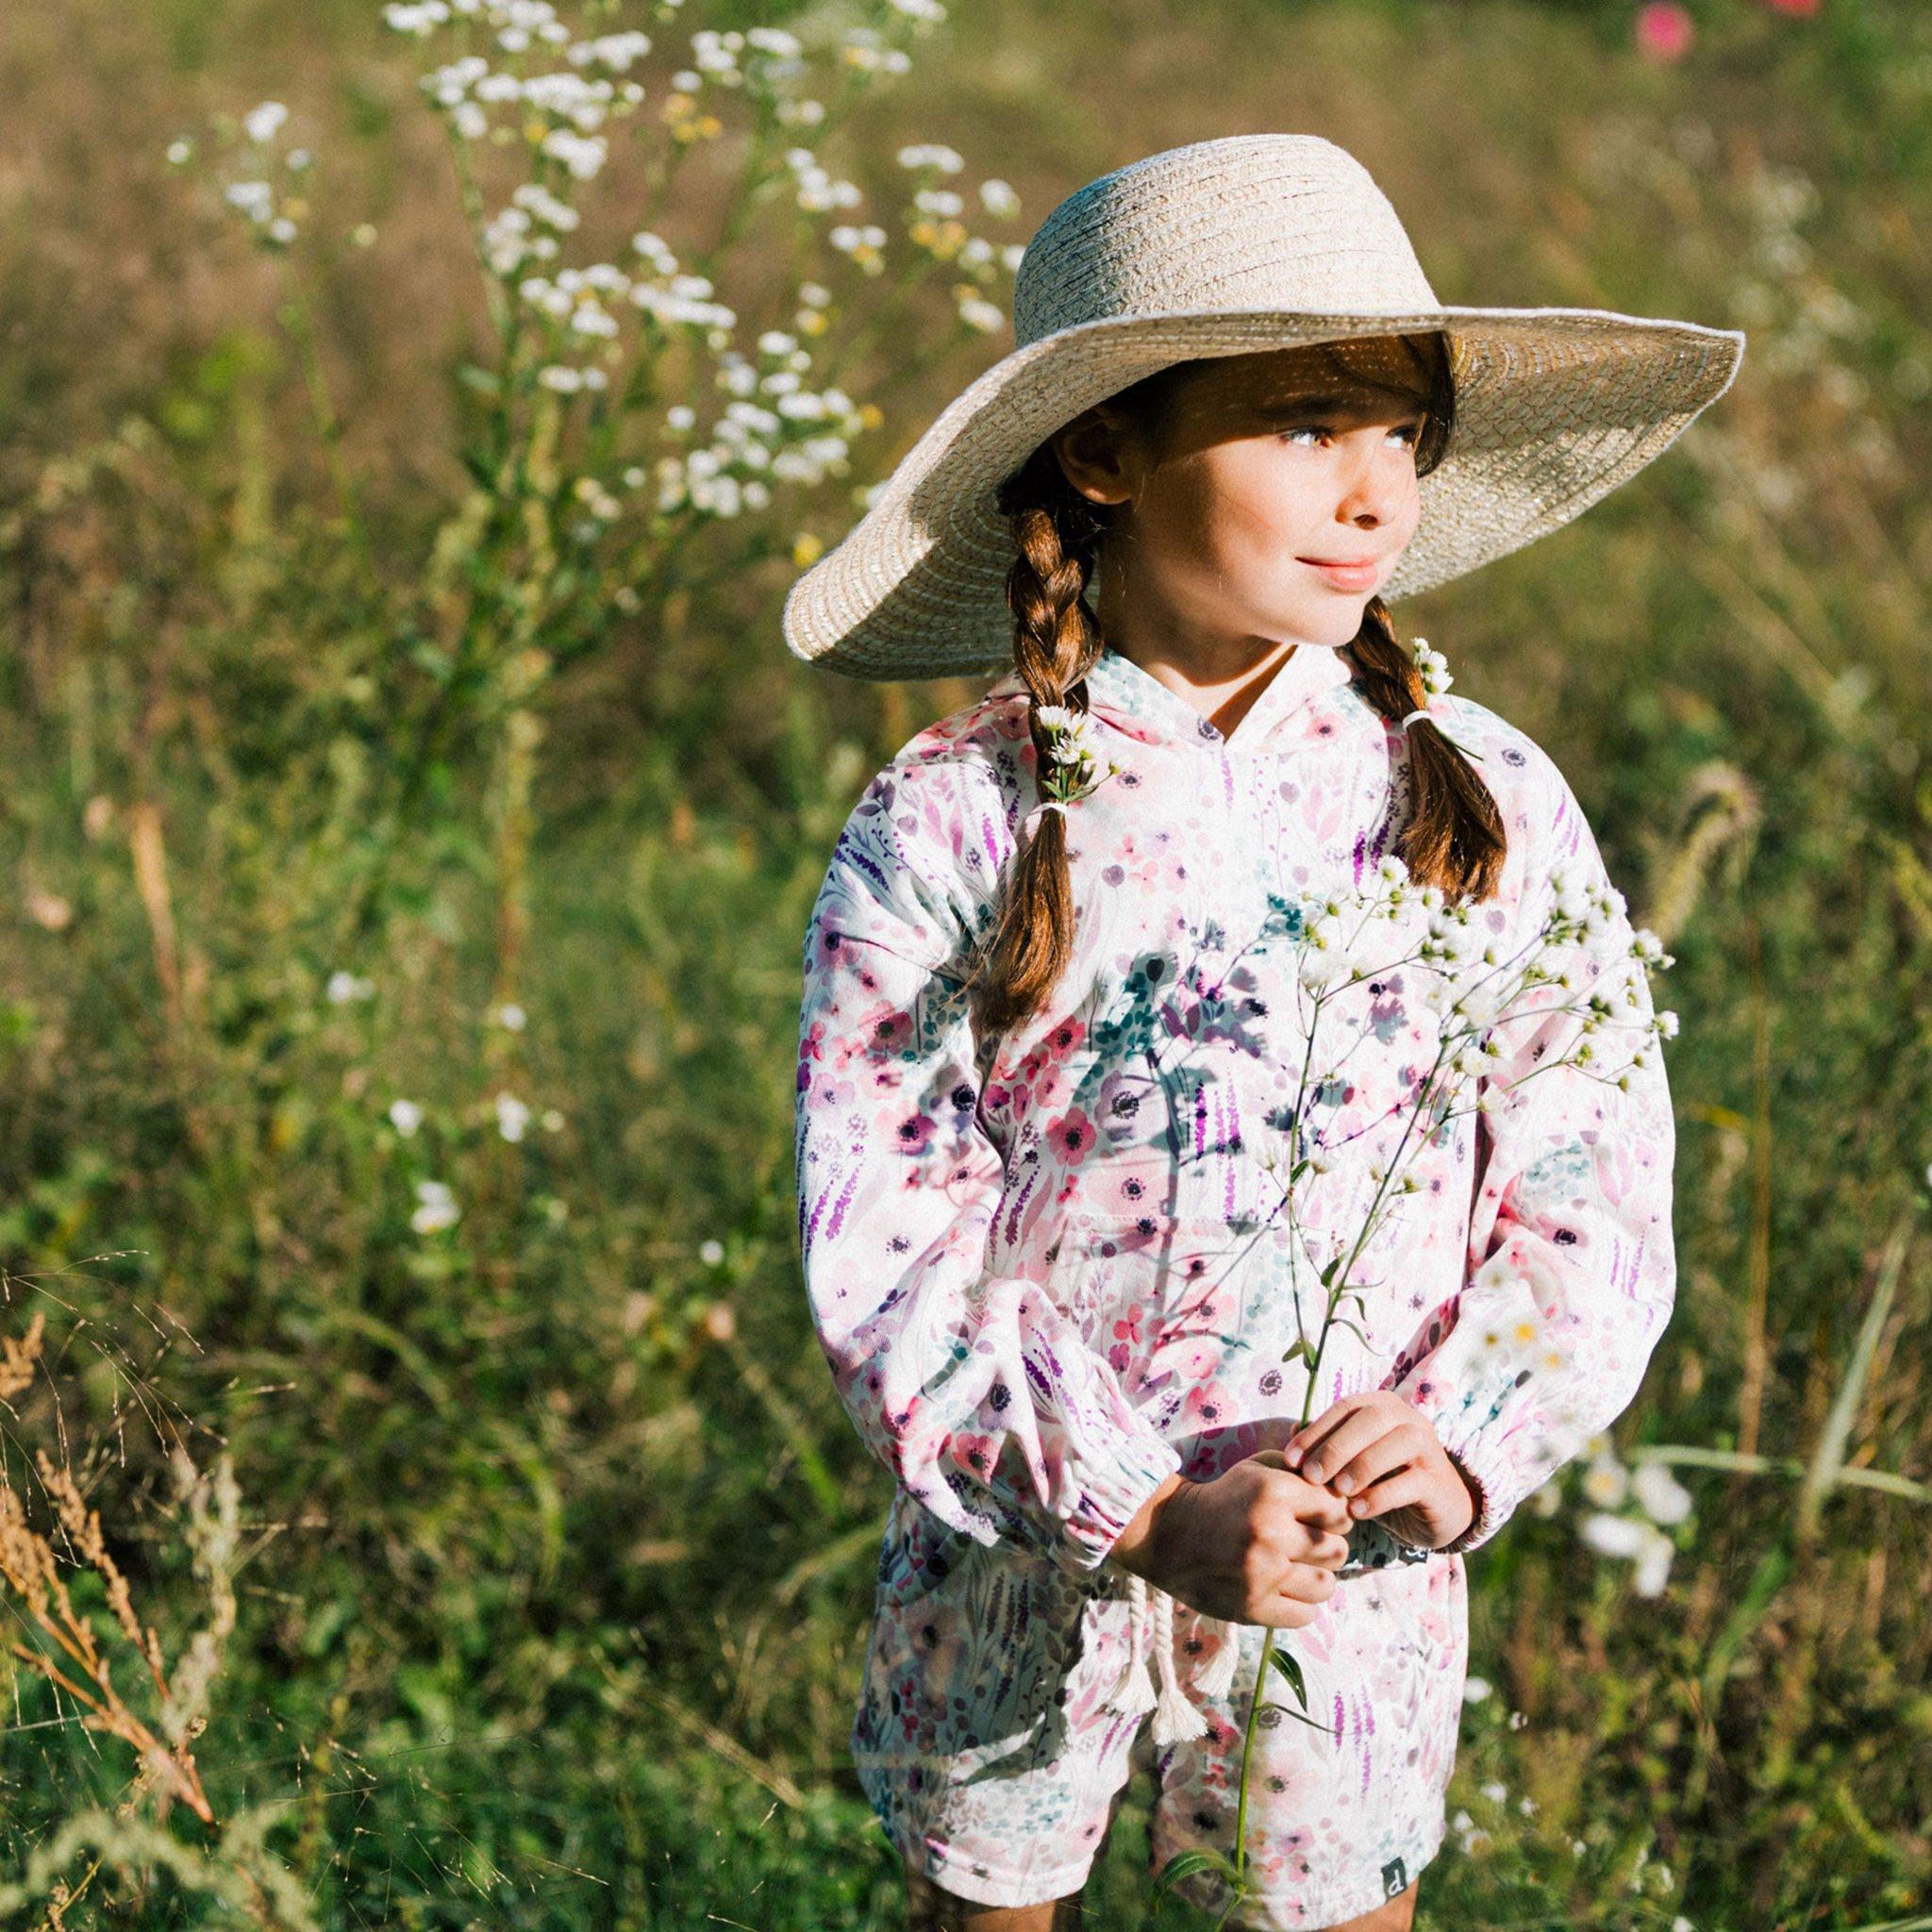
point(272, 213)
point(1586, 939)
point(1072, 753)
point(939, 230)
point(1464, 979)
point(618, 51)
point(815, 187)
point(1611, 1529)
point(1070, 734)
point(863, 244)
point(420, 18)
point(778, 427)
point(345, 987)
point(755, 433)
point(1433, 666)
point(1329, 953)
point(866, 50)
point(932, 154)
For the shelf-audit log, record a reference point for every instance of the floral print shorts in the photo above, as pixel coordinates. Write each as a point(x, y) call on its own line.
point(985, 1742)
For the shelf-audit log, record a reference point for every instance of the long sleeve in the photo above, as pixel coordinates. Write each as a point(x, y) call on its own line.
point(1572, 1270)
point(969, 1386)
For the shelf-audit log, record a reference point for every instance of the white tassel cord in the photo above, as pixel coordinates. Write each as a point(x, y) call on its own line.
point(1215, 1679)
point(1175, 1718)
point(1133, 1691)
point(1150, 1623)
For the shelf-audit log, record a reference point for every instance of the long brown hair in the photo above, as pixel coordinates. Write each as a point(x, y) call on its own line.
point(1453, 836)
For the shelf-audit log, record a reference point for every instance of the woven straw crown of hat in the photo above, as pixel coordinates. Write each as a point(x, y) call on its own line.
point(1227, 247)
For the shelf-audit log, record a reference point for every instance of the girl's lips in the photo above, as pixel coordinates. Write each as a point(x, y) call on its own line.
point(1344, 576)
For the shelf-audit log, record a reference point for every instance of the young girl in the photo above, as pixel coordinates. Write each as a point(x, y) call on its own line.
point(1046, 1048)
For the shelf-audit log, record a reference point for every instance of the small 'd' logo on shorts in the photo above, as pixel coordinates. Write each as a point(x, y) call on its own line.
point(1395, 1877)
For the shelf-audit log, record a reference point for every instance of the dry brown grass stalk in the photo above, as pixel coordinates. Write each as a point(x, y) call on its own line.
point(76, 1659)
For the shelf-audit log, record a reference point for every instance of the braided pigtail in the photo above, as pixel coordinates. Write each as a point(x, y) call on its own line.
point(1453, 836)
point(1057, 532)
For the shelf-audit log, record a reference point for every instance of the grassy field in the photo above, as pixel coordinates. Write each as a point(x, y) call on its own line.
point(411, 821)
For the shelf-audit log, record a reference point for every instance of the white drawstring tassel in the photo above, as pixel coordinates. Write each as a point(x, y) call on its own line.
point(1150, 1623)
point(1215, 1679)
point(1175, 1718)
point(1133, 1689)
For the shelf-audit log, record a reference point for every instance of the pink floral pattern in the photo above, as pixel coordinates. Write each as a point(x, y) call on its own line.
point(1048, 1271)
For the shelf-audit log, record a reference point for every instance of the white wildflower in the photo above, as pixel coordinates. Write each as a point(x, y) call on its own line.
point(256, 199)
point(999, 198)
point(262, 122)
point(1606, 1482)
point(932, 155)
point(1653, 1563)
point(1665, 1499)
point(1613, 1536)
point(405, 1116)
point(436, 1210)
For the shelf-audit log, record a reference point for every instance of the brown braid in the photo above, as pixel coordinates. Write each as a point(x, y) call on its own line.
point(1055, 641)
point(1453, 837)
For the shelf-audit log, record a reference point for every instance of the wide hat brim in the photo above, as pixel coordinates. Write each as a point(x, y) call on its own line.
point(1554, 409)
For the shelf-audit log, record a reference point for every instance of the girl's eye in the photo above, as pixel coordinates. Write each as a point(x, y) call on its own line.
point(1409, 432)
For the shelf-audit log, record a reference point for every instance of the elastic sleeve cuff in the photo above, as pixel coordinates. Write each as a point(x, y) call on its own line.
point(1113, 1491)
point(1483, 1524)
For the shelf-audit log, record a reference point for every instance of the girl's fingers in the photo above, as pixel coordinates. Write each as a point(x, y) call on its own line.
point(1305, 1440)
point(1382, 1458)
point(1318, 1457)
point(1403, 1484)
point(1304, 1583)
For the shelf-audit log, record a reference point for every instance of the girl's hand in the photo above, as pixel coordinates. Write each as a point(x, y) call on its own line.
point(1257, 1544)
point(1382, 1456)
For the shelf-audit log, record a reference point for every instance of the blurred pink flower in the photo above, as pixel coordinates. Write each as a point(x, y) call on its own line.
point(1663, 30)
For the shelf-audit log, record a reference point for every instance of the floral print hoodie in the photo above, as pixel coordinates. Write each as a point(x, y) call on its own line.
point(1051, 1269)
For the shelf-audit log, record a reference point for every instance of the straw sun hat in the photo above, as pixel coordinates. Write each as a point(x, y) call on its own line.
point(1224, 247)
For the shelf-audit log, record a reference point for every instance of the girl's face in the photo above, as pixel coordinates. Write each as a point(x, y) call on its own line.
point(1269, 466)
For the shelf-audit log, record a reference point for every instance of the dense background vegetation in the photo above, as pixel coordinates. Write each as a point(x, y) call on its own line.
point(411, 822)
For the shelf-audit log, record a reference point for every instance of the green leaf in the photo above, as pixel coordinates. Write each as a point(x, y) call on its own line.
point(1289, 1668)
point(1185, 1864)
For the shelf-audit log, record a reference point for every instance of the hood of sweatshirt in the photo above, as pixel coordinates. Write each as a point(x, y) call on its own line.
point(1134, 701)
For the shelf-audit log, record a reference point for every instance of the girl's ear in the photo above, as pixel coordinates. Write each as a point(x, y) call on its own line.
point(1094, 456)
